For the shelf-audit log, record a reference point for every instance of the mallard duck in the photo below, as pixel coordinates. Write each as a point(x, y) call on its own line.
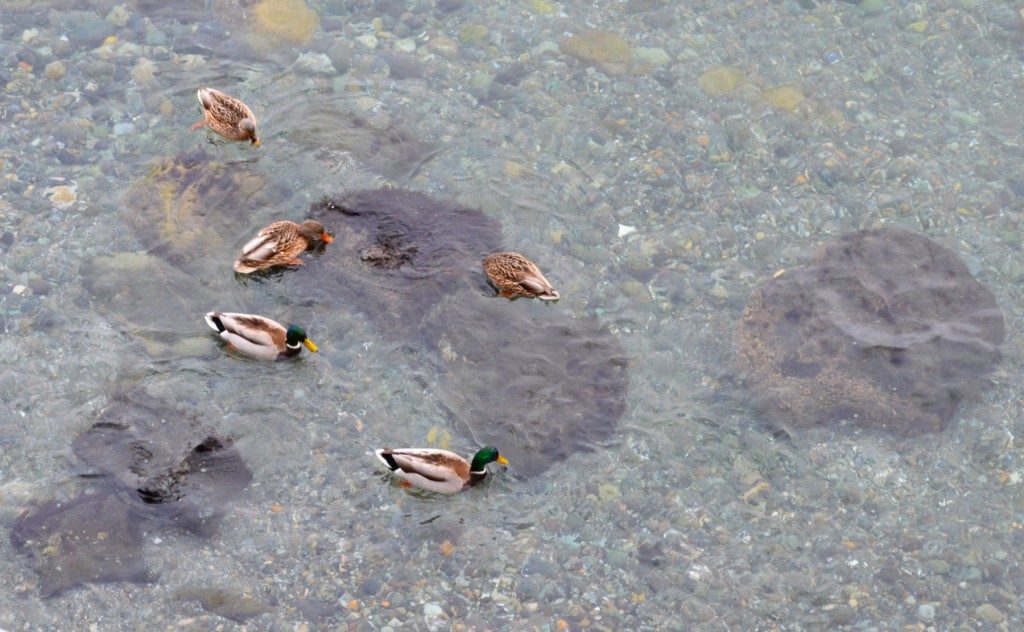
point(258, 336)
point(439, 470)
point(513, 275)
point(279, 244)
point(227, 116)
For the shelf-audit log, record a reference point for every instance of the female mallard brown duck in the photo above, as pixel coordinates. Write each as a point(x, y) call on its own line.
point(227, 116)
point(513, 275)
point(258, 336)
point(439, 470)
point(279, 244)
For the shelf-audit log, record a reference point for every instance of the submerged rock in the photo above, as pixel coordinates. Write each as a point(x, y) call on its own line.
point(174, 467)
point(398, 252)
point(150, 301)
point(335, 135)
point(190, 206)
point(719, 80)
point(193, 209)
point(152, 463)
point(607, 51)
point(92, 537)
point(884, 328)
point(537, 383)
point(230, 604)
point(284, 22)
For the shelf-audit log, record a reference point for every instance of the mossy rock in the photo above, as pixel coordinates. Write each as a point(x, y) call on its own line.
point(188, 207)
point(283, 22)
point(719, 80)
point(607, 51)
point(228, 603)
point(786, 97)
point(472, 33)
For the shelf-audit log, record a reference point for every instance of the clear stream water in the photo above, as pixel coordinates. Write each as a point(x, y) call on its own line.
point(654, 203)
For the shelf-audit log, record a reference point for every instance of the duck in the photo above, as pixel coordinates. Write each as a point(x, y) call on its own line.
point(437, 470)
point(258, 336)
point(227, 116)
point(513, 276)
point(279, 244)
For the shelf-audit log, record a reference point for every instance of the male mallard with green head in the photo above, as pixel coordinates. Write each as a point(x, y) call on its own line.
point(279, 244)
point(258, 336)
point(439, 470)
point(227, 116)
point(513, 275)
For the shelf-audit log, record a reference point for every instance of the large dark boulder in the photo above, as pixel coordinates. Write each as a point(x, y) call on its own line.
point(530, 379)
point(883, 328)
point(170, 465)
point(92, 537)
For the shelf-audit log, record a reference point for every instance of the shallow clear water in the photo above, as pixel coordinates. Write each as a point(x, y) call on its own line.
point(649, 204)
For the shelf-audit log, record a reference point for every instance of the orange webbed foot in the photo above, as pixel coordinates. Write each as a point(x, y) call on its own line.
point(198, 125)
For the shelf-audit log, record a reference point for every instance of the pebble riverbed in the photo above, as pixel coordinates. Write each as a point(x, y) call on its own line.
point(658, 159)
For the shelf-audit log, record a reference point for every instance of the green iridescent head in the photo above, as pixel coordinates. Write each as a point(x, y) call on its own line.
point(486, 455)
point(297, 334)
